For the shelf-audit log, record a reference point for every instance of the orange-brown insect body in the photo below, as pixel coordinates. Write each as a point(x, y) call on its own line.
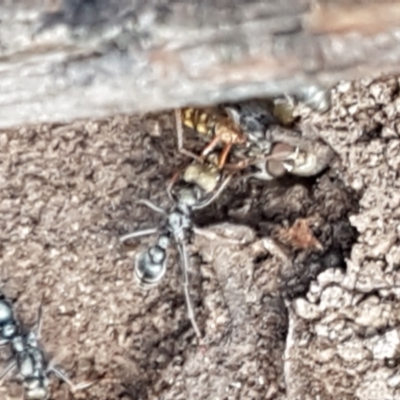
point(215, 124)
point(212, 122)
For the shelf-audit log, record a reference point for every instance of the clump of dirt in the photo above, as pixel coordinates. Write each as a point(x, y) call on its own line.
point(280, 320)
point(347, 322)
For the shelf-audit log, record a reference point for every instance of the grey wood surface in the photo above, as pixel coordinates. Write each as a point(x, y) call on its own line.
point(71, 59)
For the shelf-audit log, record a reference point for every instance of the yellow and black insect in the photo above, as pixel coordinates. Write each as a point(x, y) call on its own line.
point(213, 123)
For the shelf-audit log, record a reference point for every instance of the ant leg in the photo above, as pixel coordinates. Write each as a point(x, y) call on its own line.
point(63, 377)
point(152, 206)
point(7, 371)
point(215, 195)
point(179, 137)
point(143, 232)
point(185, 268)
point(171, 183)
point(38, 327)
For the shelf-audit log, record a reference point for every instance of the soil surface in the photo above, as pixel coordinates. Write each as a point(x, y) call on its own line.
point(278, 323)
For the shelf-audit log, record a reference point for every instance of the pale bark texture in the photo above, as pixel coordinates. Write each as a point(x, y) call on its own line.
point(71, 59)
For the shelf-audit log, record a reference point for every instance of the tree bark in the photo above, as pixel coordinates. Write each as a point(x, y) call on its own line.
point(95, 58)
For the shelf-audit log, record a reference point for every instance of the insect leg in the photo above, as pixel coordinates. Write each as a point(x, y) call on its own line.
point(143, 232)
point(215, 195)
point(152, 206)
point(171, 183)
point(179, 136)
point(7, 371)
point(185, 271)
point(38, 328)
point(224, 155)
point(64, 378)
point(210, 147)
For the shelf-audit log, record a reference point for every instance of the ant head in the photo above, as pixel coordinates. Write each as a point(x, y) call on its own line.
point(188, 196)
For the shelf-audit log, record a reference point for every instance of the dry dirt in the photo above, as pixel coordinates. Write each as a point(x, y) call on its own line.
point(277, 324)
